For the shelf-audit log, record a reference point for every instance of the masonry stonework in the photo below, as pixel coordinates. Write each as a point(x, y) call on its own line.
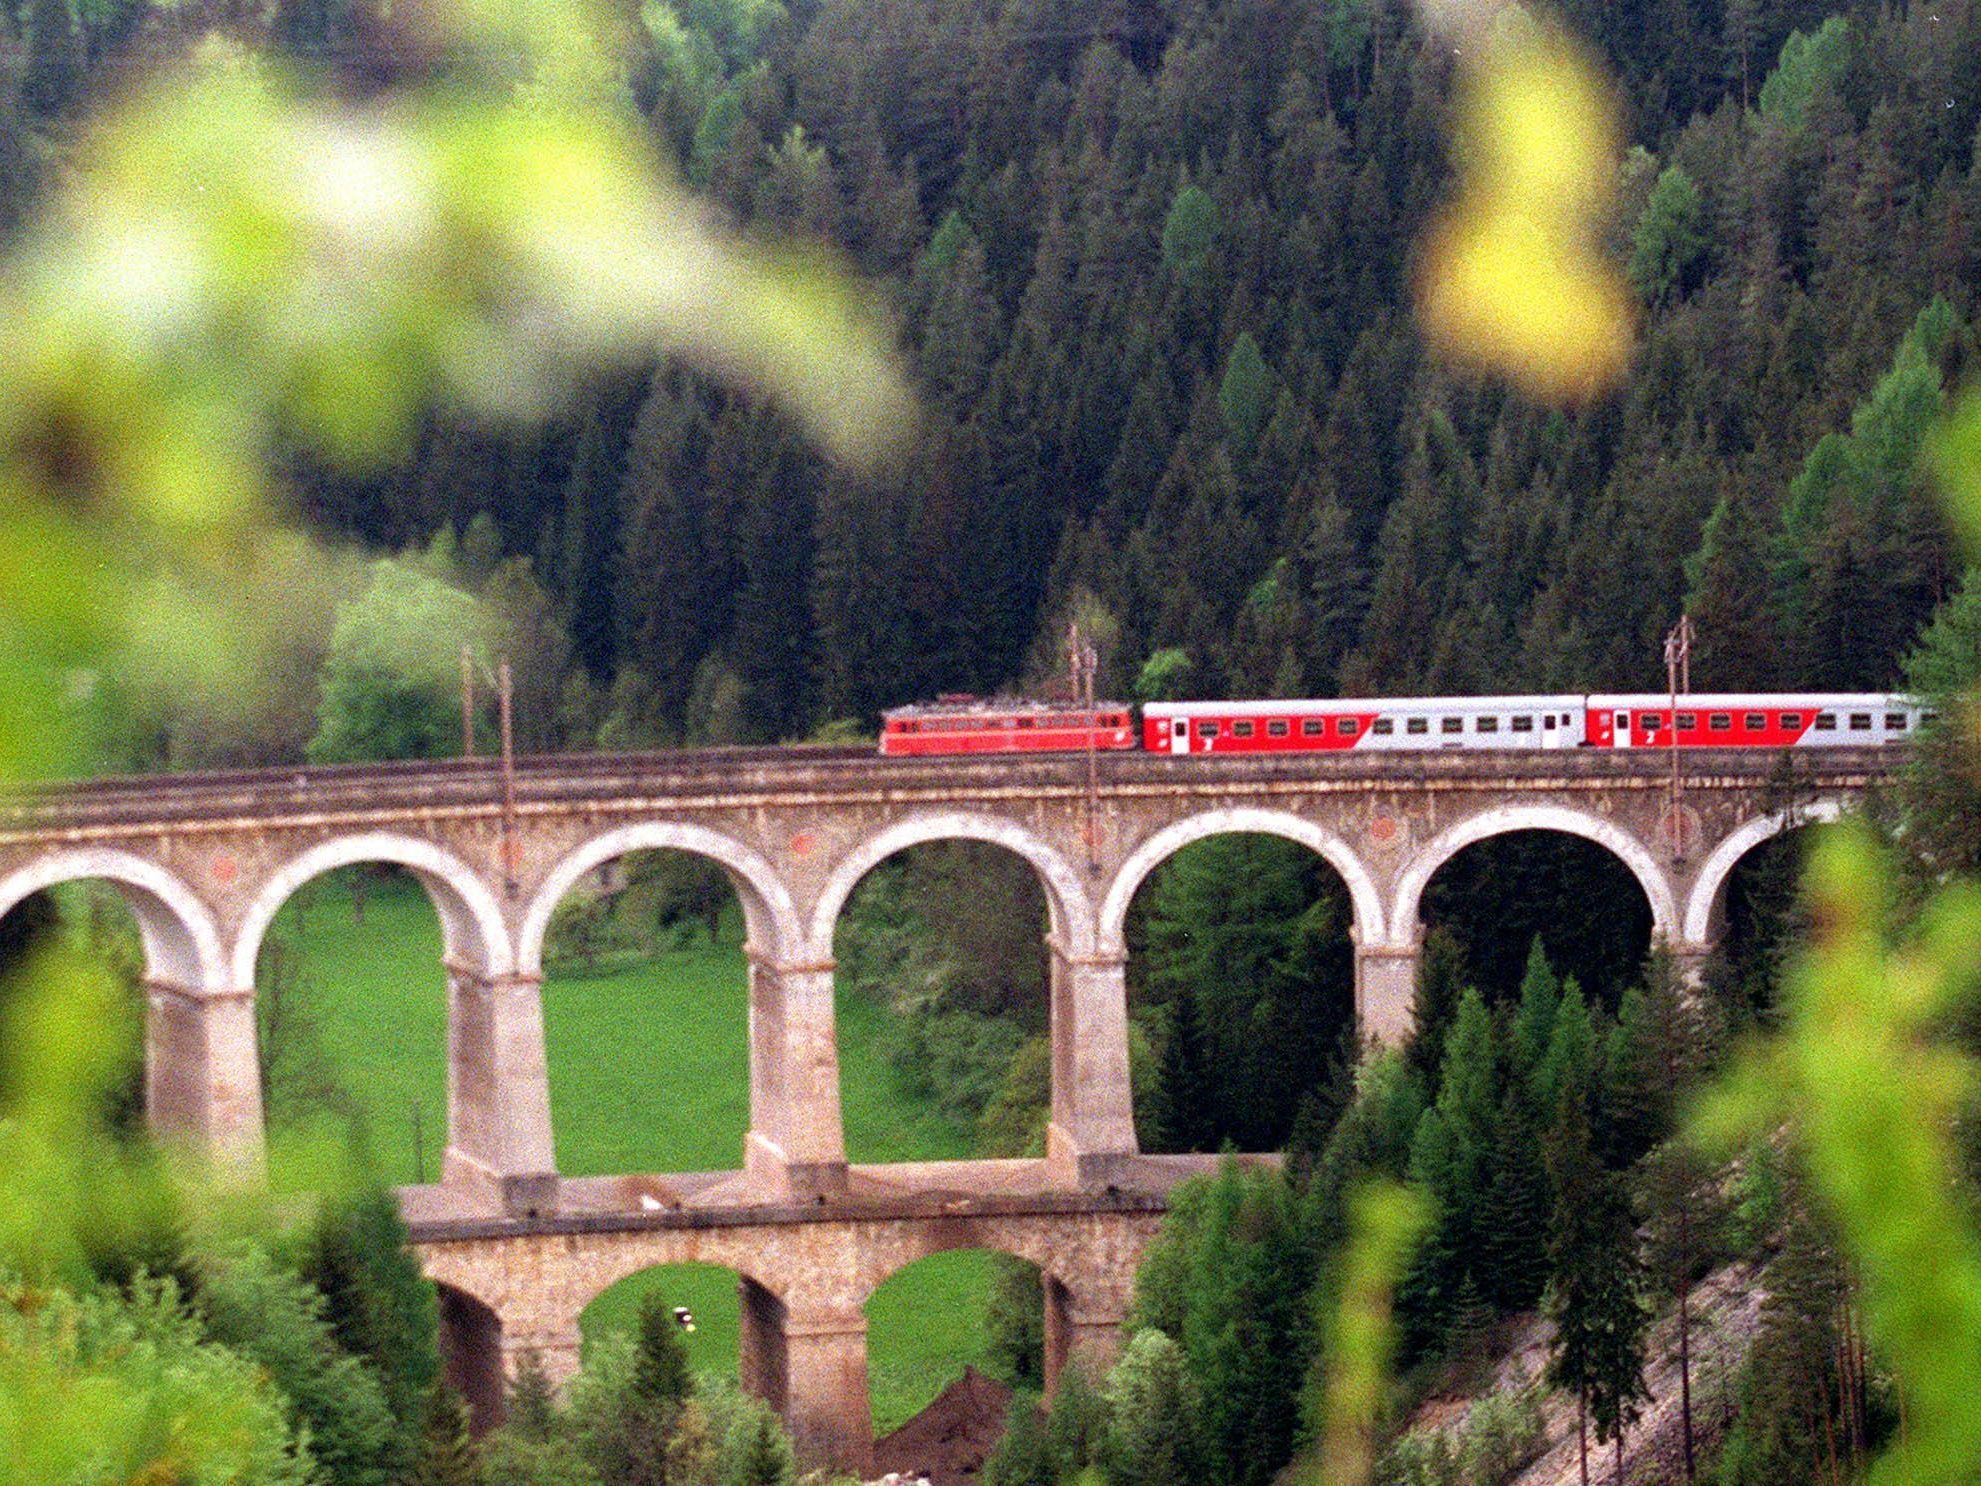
point(206, 863)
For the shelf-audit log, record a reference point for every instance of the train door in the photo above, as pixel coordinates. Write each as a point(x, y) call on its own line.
point(1179, 735)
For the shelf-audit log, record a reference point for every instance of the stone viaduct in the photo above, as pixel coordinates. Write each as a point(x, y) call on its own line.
point(206, 861)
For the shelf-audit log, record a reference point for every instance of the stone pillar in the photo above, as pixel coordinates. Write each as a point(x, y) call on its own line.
point(202, 1074)
point(472, 1356)
point(1691, 960)
point(809, 1362)
point(1093, 1108)
point(1385, 992)
point(556, 1349)
point(1083, 1329)
point(498, 1091)
point(796, 1141)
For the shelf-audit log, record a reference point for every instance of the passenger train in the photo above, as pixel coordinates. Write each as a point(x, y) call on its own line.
point(962, 724)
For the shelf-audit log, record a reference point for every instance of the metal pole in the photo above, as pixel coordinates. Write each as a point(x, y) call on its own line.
point(1678, 681)
point(467, 703)
point(511, 856)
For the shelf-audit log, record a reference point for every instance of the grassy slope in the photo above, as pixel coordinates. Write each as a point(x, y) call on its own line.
point(648, 1072)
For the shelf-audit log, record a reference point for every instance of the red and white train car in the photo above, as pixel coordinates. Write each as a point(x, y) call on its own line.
point(970, 725)
point(1415, 724)
point(1733, 720)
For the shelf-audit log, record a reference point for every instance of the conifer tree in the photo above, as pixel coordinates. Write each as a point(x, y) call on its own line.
point(1534, 1020)
point(1440, 977)
point(1152, 1437)
point(447, 1454)
point(1023, 1456)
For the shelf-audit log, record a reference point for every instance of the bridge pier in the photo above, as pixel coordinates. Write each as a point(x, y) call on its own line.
point(1386, 992)
point(498, 1091)
point(796, 1141)
point(1093, 1110)
point(809, 1362)
point(1080, 1330)
point(202, 1072)
point(1691, 961)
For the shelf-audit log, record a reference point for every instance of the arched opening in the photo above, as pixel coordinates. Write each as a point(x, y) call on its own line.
point(1495, 896)
point(646, 1008)
point(713, 1297)
point(471, 1356)
point(927, 1355)
point(1759, 918)
point(1241, 993)
point(351, 998)
point(941, 1001)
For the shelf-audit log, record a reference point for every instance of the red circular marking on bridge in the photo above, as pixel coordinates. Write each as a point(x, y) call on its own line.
point(225, 868)
point(802, 844)
point(1383, 828)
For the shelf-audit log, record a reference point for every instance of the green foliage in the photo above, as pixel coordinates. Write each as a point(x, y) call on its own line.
point(660, 1362)
point(1670, 238)
point(1245, 398)
point(276, 1319)
point(756, 1451)
point(1024, 1455)
point(392, 679)
point(1228, 1278)
point(1809, 65)
point(1153, 1435)
point(447, 1455)
point(110, 1384)
point(380, 1306)
point(1165, 676)
point(1077, 1430)
point(1190, 231)
point(1500, 1434)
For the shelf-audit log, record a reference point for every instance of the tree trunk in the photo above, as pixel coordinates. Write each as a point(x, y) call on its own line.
point(1619, 1458)
point(1582, 1430)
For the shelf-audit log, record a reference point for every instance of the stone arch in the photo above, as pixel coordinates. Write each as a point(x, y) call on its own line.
point(769, 915)
point(1066, 894)
point(471, 1353)
point(1159, 848)
point(470, 919)
point(1707, 888)
point(181, 941)
point(887, 1256)
point(1504, 820)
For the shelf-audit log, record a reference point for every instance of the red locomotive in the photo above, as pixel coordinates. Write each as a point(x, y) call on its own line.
point(1408, 724)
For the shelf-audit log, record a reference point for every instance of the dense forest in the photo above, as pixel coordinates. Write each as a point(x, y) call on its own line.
point(1151, 265)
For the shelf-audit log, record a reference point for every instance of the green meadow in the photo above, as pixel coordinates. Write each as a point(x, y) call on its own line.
point(648, 1072)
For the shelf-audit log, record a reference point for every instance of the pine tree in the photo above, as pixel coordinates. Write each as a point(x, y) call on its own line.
point(1440, 976)
point(1023, 1456)
point(1076, 1433)
point(1152, 1437)
point(660, 1359)
point(1515, 1213)
point(1534, 1021)
point(532, 1406)
point(1184, 1110)
point(447, 1454)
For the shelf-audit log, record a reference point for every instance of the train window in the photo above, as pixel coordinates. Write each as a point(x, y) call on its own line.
point(1926, 717)
point(1754, 722)
point(1791, 719)
point(1206, 730)
point(1860, 722)
point(1417, 725)
point(1548, 721)
point(1485, 725)
point(1313, 727)
point(1278, 728)
point(1650, 722)
point(1451, 725)
point(1826, 722)
point(1243, 729)
point(1523, 724)
point(1720, 722)
point(1688, 722)
point(1028, 722)
point(1894, 722)
point(1349, 727)
point(1382, 727)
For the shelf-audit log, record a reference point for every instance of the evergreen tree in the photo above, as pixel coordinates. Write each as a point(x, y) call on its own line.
point(1023, 1456)
point(1152, 1437)
point(447, 1455)
point(1076, 1432)
point(660, 1359)
point(1670, 240)
point(1534, 1020)
point(1184, 1112)
point(1440, 976)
